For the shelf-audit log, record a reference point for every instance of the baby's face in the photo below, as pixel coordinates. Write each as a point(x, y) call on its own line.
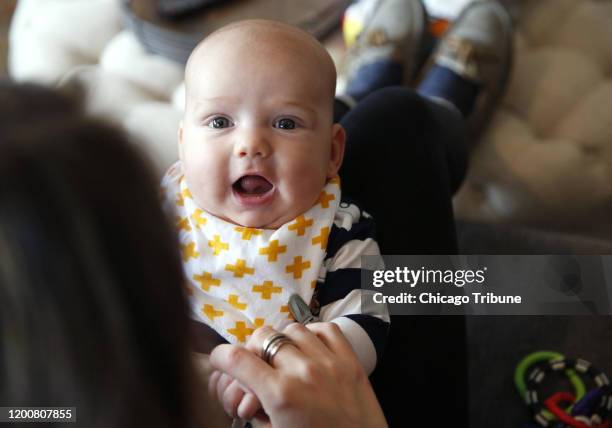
point(257, 142)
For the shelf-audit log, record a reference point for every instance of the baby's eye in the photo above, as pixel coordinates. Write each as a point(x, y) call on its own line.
point(285, 124)
point(220, 122)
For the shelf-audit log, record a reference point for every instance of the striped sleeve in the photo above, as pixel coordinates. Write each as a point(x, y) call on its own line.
point(339, 293)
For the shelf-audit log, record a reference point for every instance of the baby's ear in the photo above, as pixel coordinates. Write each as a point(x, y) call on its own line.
point(338, 140)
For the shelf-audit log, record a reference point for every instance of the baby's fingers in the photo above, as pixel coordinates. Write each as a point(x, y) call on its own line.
point(232, 397)
point(213, 380)
point(248, 406)
point(236, 402)
point(222, 384)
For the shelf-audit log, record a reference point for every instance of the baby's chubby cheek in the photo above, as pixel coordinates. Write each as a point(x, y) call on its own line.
point(208, 187)
point(305, 187)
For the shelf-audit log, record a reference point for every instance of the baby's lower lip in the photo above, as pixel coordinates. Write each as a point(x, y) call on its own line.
point(254, 201)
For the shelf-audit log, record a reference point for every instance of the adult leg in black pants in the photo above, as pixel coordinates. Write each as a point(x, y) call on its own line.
point(405, 157)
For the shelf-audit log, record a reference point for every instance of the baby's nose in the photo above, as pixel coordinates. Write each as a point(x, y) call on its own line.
point(252, 144)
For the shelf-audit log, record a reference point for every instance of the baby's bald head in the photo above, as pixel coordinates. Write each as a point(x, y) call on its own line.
point(259, 109)
point(260, 47)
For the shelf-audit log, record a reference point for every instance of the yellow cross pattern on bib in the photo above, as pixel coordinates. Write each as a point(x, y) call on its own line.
point(240, 278)
point(197, 217)
point(241, 331)
point(300, 225)
point(297, 267)
point(210, 312)
point(233, 300)
point(206, 281)
point(324, 199)
point(322, 238)
point(217, 245)
point(247, 232)
point(185, 193)
point(266, 289)
point(273, 250)
point(240, 268)
point(183, 224)
point(189, 251)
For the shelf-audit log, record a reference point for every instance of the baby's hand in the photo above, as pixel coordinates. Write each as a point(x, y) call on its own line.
point(236, 400)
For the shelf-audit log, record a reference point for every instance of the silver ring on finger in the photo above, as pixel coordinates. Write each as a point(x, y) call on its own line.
point(272, 345)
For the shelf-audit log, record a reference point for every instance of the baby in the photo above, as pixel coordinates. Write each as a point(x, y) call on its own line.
point(256, 195)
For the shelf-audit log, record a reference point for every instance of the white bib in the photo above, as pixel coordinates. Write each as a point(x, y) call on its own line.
point(241, 278)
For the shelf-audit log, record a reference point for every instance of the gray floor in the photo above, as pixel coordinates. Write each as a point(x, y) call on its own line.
point(497, 344)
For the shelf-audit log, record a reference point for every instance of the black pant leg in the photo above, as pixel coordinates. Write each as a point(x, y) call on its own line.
point(405, 158)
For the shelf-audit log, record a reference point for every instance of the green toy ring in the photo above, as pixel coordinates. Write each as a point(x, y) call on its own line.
point(536, 357)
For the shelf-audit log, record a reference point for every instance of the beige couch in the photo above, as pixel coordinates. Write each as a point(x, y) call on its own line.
point(547, 157)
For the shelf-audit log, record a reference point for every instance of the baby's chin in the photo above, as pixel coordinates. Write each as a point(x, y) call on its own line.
point(260, 220)
point(270, 217)
point(267, 218)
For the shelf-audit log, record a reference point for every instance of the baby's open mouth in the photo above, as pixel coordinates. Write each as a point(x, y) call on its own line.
point(252, 186)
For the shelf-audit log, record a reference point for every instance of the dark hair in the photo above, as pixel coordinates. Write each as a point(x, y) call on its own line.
point(92, 313)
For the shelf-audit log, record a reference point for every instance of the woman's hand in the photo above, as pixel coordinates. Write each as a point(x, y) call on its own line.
point(317, 382)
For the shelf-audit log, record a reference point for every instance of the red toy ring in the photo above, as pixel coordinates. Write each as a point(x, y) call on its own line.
point(553, 404)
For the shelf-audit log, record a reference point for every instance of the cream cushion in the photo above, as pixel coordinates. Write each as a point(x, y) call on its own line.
point(546, 159)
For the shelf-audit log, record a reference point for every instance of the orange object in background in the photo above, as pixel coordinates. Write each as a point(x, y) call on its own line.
point(437, 27)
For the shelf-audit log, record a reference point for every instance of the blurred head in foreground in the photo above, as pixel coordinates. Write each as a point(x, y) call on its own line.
point(91, 313)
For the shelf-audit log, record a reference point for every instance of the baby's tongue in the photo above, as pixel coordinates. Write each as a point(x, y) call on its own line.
point(254, 184)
